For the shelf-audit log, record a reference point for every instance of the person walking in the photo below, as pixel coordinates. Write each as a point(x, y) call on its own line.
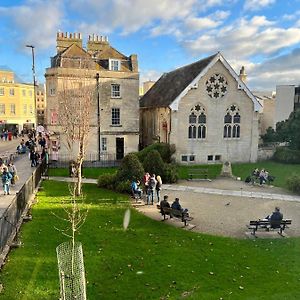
point(13, 171)
point(151, 187)
point(158, 187)
point(6, 177)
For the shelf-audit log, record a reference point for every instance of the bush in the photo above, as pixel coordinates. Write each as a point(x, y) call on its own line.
point(286, 155)
point(165, 150)
point(131, 168)
point(170, 174)
point(107, 181)
point(154, 164)
point(123, 187)
point(293, 183)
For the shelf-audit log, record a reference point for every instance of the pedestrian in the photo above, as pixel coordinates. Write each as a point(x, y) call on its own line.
point(13, 171)
point(151, 188)
point(6, 177)
point(158, 187)
point(145, 182)
point(32, 157)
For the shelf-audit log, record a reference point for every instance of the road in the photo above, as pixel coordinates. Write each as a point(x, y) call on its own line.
point(9, 146)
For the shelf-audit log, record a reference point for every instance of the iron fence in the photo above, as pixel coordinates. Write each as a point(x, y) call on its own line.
point(90, 161)
point(11, 217)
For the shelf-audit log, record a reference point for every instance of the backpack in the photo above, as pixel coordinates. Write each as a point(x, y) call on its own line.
point(6, 177)
point(152, 183)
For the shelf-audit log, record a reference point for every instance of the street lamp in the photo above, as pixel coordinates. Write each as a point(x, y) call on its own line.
point(34, 80)
point(98, 115)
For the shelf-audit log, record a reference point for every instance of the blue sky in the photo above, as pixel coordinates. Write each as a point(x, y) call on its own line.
point(262, 35)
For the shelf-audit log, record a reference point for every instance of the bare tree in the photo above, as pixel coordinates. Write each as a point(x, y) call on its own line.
point(76, 101)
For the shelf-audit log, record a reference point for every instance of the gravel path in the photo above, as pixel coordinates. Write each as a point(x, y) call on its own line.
point(226, 215)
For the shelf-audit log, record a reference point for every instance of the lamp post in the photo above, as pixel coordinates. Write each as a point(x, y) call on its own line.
point(34, 81)
point(98, 115)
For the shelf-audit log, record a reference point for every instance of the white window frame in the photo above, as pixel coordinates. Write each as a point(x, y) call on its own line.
point(11, 92)
point(2, 109)
point(104, 144)
point(12, 109)
point(2, 91)
point(114, 64)
point(115, 90)
point(115, 120)
point(25, 109)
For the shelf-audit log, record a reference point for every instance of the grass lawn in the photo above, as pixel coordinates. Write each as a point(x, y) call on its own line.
point(87, 172)
point(213, 170)
point(279, 170)
point(151, 260)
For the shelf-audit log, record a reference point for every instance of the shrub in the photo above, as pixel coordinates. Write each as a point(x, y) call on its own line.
point(107, 181)
point(293, 183)
point(166, 151)
point(153, 163)
point(131, 168)
point(170, 174)
point(286, 155)
point(123, 187)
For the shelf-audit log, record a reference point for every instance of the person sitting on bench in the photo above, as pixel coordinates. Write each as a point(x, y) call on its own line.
point(176, 205)
point(275, 218)
point(135, 188)
point(164, 203)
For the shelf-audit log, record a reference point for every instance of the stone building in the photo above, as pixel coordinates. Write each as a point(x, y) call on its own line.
point(115, 80)
point(40, 104)
point(287, 101)
point(16, 104)
point(206, 110)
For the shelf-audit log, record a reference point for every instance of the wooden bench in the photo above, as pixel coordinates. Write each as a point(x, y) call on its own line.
point(175, 213)
point(201, 174)
point(267, 225)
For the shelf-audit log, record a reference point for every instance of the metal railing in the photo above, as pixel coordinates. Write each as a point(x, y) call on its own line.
point(12, 216)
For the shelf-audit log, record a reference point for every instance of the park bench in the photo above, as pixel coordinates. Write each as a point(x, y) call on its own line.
point(175, 213)
point(200, 174)
point(267, 225)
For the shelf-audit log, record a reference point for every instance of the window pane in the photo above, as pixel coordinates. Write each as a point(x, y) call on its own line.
point(2, 109)
point(104, 144)
point(184, 158)
point(237, 118)
point(1, 91)
point(238, 131)
point(202, 118)
point(115, 91)
point(115, 116)
point(192, 118)
point(227, 119)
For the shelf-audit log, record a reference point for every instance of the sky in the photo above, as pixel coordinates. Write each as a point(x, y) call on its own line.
point(262, 35)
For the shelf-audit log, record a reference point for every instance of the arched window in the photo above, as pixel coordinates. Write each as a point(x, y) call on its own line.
point(192, 132)
point(197, 116)
point(232, 120)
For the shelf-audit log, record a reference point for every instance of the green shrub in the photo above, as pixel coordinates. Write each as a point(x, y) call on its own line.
point(154, 164)
point(286, 155)
point(293, 183)
point(170, 174)
point(131, 168)
point(107, 181)
point(166, 151)
point(123, 187)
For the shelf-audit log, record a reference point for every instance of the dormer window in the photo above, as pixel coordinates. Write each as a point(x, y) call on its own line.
point(114, 65)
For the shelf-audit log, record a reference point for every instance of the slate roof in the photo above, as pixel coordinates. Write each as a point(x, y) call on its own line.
point(171, 84)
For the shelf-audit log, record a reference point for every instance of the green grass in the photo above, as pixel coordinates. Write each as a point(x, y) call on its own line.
point(279, 170)
point(213, 170)
point(151, 260)
point(87, 172)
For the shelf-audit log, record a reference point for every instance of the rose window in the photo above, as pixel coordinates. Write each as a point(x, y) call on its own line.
point(216, 86)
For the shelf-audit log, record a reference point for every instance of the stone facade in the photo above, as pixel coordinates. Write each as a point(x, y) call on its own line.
point(115, 79)
point(173, 124)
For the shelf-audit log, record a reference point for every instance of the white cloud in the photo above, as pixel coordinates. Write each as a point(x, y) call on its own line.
point(283, 69)
point(36, 22)
point(245, 38)
point(257, 4)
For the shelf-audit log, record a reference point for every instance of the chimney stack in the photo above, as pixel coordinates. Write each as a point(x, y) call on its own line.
point(243, 75)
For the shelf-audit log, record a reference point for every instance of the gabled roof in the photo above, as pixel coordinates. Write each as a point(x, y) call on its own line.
point(173, 86)
point(170, 85)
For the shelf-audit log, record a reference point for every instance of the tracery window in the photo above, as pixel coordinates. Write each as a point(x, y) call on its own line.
point(232, 120)
point(216, 86)
point(197, 123)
